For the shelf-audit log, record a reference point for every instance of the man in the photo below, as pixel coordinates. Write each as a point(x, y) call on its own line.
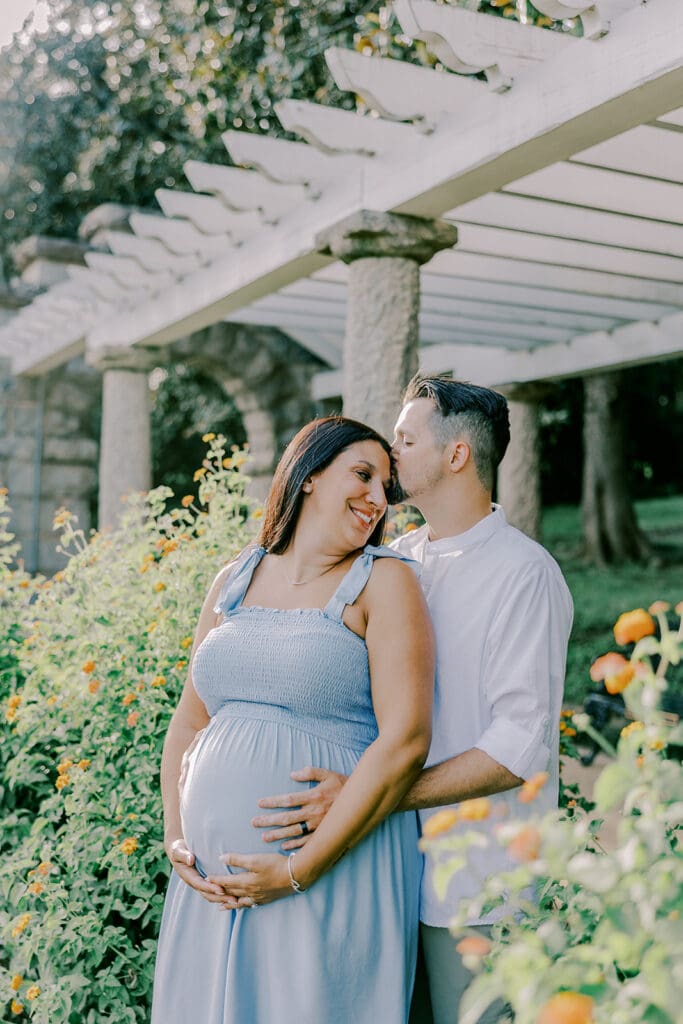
point(502, 614)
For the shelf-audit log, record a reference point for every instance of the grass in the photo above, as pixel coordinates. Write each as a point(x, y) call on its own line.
point(600, 595)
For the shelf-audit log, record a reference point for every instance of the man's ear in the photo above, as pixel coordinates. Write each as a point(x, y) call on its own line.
point(459, 456)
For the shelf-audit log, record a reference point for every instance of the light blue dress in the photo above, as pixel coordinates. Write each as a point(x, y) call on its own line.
point(286, 689)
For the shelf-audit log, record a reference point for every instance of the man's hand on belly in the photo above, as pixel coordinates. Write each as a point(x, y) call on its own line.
point(183, 861)
point(293, 828)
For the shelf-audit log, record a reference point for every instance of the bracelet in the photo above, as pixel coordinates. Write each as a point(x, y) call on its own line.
point(292, 880)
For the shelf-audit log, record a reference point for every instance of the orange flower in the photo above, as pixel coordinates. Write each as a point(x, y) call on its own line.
point(410, 527)
point(35, 888)
point(526, 844)
point(159, 586)
point(84, 764)
point(17, 982)
point(474, 945)
point(532, 787)
point(88, 667)
point(227, 463)
point(16, 1007)
point(21, 925)
point(94, 685)
point(159, 681)
point(199, 473)
point(129, 846)
point(62, 782)
point(51, 701)
point(182, 663)
point(62, 516)
point(33, 992)
point(659, 608)
point(614, 669)
point(628, 730)
point(10, 714)
point(168, 546)
point(475, 810)
point(14, 701)
point(44, 868)
point(132, 719)
point(64, 766)
point(152, 626)
point(128, 699)
point(679, 608)
point(187, 500)
point(257, 513)
point(208, 437)
point(186, 642)
point(633, 626)
point(439, 823)
point(567, 1008)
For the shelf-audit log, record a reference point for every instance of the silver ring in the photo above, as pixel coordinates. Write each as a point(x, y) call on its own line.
point(305, 830)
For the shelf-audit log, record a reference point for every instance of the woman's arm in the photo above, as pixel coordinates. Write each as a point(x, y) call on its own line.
point(401, 655)
point(189, 718)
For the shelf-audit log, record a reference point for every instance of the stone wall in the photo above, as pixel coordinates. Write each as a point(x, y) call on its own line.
point(55, 417)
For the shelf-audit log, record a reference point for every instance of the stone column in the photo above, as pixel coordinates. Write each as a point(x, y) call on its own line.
point(125, 442)
point(385, 252)
point(519, 474)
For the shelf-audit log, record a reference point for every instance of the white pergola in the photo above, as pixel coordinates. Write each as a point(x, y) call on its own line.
point(562, 167)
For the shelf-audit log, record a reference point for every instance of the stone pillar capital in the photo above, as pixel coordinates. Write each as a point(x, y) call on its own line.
point(373, 234)
point(118, 357)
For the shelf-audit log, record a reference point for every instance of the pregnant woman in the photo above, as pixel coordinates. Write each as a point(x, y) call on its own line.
point(314, 647)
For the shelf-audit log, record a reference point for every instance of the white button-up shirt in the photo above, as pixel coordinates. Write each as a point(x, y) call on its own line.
point(502, 615)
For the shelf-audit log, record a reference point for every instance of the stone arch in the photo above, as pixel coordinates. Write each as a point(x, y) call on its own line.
point(268, 376)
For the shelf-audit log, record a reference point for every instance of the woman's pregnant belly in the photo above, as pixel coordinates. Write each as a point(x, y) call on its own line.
point(235, 763)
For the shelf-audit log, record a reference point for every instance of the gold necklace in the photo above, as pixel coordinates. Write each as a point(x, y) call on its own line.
point(301, 583)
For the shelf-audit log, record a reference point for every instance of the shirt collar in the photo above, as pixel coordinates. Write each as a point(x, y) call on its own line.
point(477, 534)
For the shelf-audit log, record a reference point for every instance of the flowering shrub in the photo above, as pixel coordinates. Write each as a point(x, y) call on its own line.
point(603, 942)
point(91, 666)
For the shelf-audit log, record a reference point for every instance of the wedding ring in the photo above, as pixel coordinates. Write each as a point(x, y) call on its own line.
point(305, 830)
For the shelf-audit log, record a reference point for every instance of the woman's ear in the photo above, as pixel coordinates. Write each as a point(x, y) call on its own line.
point(307, 485)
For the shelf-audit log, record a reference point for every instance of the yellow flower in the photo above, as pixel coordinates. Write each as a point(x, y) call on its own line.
point(152, 626)
point(35, 888)
point(44, 868)
point(128, 699)
point(632, 727)
point(186, 642)
point(257, 513)
point(208, 437)
point(62, 782)
point(159, 586)
point(439, 823)
point(475, 810)
point(51, 701)
point(33, 992)
point(11, 714)
point(17, 982)
point(21, 925)
point(199, 473)
point(64, 766)
point(182, 663)
point(16, 1007)
point(187, 500)
point(15, 700)
point(84, 764)
point(168, 546)
point(62, 516)
point(532, 787)
point(88, 667)
point(227, 463)
point(633, 626)
point(129, 846)
point(159, 681)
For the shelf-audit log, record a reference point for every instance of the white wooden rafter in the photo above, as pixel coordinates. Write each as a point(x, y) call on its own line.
point(240, 189)
point(343, 131)
point(290, 163)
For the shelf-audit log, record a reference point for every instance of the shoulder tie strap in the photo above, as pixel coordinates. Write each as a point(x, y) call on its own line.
point(235, 587)
point(357, 577)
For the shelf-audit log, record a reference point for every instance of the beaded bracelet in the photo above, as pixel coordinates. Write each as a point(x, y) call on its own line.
point(292, 880)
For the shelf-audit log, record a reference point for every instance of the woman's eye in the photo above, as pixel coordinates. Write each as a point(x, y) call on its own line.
point(365, 477)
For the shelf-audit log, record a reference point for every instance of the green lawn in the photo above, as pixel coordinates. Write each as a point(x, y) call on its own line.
point(600, 595)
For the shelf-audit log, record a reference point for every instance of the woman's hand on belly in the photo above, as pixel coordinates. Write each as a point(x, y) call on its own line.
point(263, 878)
point(183, 861)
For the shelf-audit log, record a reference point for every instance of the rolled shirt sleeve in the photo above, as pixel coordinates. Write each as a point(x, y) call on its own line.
point(524, 671)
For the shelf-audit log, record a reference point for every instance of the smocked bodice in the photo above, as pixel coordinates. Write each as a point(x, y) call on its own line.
point(302, 665)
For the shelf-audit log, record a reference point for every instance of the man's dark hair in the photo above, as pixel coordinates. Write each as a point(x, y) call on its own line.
point(478, 415)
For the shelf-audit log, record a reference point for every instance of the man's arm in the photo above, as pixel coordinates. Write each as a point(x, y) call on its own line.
point(468, 775)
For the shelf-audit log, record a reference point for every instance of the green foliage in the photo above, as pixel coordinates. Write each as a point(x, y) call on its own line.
point(606, 930)
point(92, 664)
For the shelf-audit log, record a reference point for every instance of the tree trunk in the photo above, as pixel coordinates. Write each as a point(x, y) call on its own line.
point(610, 527)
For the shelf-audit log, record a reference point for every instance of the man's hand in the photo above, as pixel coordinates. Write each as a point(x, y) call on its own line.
point(309, 808)
point(183, 862)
